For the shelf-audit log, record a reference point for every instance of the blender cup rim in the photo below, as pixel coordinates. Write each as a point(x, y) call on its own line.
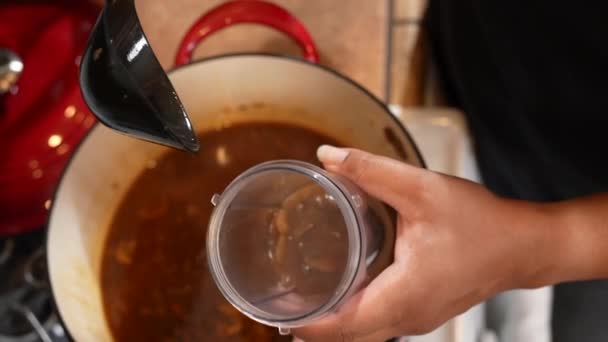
point(355, 249)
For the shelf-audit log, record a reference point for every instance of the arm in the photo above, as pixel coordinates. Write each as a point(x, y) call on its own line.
point(457, 245)
point(583, 232)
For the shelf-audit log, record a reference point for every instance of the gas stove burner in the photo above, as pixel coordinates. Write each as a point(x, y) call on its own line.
point(26, 308)
point(6, 250)
point(48, 331)
point(22, 264)
point(29, 311)
point(35, 270)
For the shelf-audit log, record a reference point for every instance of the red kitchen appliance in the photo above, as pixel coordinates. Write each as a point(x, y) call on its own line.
point(42, 114)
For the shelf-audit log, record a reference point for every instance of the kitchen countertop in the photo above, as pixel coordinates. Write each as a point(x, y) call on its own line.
point(376, 43)
point(350, 38)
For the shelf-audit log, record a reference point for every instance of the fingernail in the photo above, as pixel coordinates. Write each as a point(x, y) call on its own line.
point(331, 155)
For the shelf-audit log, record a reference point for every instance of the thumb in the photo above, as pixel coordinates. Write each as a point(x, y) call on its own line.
point(387, 179)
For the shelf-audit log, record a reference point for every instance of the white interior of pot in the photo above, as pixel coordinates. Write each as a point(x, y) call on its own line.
point(213, 91)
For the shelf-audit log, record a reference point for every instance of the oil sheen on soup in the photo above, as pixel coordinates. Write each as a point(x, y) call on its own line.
point(155, 279)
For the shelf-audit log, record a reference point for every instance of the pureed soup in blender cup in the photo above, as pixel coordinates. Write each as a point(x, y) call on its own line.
point(289, 242)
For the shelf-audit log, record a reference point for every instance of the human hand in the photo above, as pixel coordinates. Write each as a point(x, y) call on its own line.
point(456, 245)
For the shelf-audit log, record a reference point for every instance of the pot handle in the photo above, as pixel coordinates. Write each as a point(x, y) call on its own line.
point(246, 11)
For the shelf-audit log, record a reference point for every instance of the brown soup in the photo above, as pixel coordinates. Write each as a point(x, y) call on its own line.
point(155, 280)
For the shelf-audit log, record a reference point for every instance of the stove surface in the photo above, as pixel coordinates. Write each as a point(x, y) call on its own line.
point(27, 312)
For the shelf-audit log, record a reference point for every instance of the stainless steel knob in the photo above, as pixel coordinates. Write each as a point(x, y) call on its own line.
point(11, 67)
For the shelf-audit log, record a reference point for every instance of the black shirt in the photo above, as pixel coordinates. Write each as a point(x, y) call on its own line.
point(532, 78)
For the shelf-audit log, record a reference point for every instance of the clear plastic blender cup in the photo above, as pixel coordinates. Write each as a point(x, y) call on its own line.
point(289, 242)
